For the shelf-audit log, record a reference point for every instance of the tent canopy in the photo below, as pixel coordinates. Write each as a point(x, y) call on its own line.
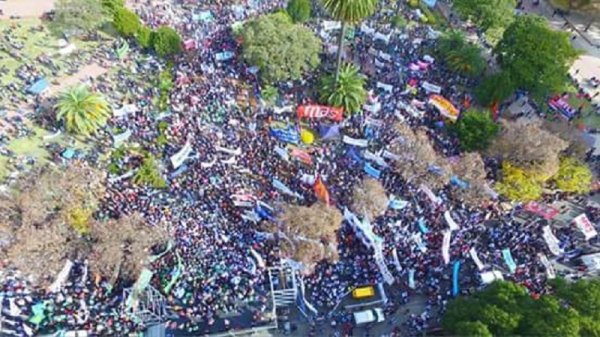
point(38, 87)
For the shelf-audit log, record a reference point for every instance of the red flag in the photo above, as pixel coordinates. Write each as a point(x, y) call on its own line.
point(321, 191)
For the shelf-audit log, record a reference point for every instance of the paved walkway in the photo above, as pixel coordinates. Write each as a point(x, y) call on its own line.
point(25, 8)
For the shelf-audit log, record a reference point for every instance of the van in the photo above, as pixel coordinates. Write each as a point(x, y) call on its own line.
point(363, 292)
point(369, 316)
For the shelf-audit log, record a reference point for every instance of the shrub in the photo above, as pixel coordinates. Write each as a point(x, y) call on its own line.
point(166, 41)
point(398, 21)
point(79, 219)
point(112, 6)
point(144, 36)
point(126, 22)
point(299, 10)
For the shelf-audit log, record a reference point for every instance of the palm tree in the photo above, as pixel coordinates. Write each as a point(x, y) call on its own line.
point(347, 91)
point(466, 60)
point(82, 111)
point(347, 11)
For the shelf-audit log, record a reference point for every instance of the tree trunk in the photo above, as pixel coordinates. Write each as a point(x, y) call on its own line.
point(339, 52)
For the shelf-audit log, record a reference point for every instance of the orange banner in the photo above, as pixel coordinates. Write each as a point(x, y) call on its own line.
point(444, 106)
point(321, 191)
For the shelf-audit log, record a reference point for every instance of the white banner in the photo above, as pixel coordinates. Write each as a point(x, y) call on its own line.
point(282, 153)
point(61, 278)
point(374, 158)
point(235, 152)
point(419, 242)
point(120, 138)
point(373, 108)
point(396, 260)
point(331, 25)
point(446, 247)
point(585, 226)
point(550, 273)
point(551, 241)
point(451, 223)
point(125, 110)
point(258, 258)
point(366, 29)
point(386, 87)
point(389, 155)
point(386, 57)
point(430, 194)
point(411, 279)
point(382, 37)
point(178, 158)
point(476, 259)
point(355, 142)
point(208, 164)
point(431, 88)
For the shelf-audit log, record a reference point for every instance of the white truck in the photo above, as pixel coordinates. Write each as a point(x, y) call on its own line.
point(369, 316)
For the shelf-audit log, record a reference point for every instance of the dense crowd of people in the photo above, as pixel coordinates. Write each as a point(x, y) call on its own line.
point(216, 264)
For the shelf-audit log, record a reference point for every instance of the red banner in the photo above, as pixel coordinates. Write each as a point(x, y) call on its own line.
point(303, 156)
point(320, 111)
point(544, 211)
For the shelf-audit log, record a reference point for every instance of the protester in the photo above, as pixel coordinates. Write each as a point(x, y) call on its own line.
point(211, 270)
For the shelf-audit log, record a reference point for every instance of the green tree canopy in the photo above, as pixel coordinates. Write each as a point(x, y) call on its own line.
point(573, 176)
point(77, 17)
point(506, 309)
point(126, 22)
point(299, 10)
point(348, 12)
point(279, 48)
point(475, 129)
point(460, 55)
point(349, 93)
point(473, 329)
point(583, 295)
point(166, 41)
point(82, 112)
point(495, 89)
point(486, 13)
point(536, 56)
point(450, 41)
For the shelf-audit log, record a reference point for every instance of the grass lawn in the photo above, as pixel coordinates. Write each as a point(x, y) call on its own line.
point(35, 43)
point(33, 146)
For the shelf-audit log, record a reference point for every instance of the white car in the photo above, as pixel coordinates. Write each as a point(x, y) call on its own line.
point(369, 316)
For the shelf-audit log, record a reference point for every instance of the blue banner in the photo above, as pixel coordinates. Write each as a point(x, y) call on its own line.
point(454, 180)
point(289, 135)
point(397, 203)
point(354, 155)
point(284, 189)
point(510, 262)
point(373, 172)
point(422, 226)
point(430, 3)
point(455, 271)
